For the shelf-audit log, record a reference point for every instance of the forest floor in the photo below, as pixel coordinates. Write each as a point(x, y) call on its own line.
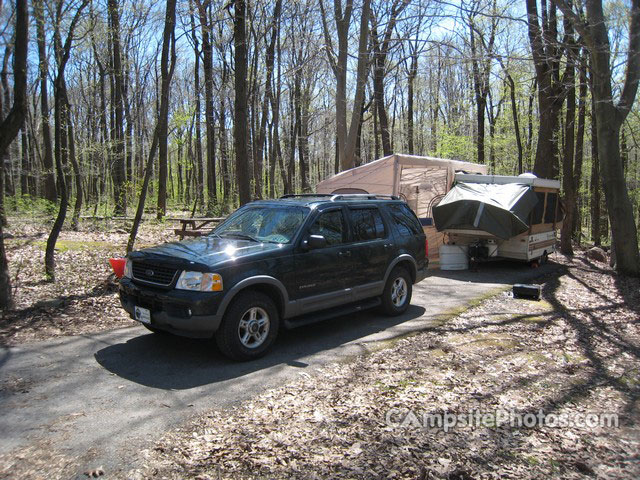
point(574, 353)
point(84, 297)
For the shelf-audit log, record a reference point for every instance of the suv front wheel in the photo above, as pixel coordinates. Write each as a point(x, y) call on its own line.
point(397, 292)
point(249, 327)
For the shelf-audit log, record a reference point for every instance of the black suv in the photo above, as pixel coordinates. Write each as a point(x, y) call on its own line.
point(279, 263)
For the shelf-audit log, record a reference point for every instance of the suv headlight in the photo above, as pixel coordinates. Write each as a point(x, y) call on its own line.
point(127, 269)
point(200, 281)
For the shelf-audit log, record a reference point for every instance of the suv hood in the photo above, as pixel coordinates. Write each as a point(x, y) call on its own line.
point(206, 251)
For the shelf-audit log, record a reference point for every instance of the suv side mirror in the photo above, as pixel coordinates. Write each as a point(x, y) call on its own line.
point(314, 241)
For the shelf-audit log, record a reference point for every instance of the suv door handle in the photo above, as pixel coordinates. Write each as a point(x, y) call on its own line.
point(346, 253)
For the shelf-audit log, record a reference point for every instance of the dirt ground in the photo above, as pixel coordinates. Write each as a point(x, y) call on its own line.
point(84, 297)
point(572, 354)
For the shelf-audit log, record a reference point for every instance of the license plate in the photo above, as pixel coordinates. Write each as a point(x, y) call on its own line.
point(143, 315)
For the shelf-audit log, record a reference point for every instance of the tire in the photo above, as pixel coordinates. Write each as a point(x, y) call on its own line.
point(249, 327)
point(396, 296)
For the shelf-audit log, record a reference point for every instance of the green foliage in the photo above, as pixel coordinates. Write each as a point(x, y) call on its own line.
point(458, 147)
point(30, 206)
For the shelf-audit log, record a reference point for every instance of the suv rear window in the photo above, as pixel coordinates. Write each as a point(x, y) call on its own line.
point(367, 224)
point(405, 220)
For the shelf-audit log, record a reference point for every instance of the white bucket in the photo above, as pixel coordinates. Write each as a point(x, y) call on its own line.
point(454, 257)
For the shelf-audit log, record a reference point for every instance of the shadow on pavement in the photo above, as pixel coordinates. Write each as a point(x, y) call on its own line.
point(497, 271)
point(174, 363)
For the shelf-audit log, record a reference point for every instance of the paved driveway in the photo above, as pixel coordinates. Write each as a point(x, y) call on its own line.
point(99, 398)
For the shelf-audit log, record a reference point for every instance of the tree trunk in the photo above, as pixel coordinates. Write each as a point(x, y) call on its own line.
point(168, 48)
point(595, 179)
point(516, 124)
point(11, 125)
point(303, 140)
point(240, 119)
point(361, 80)
point(481, 104)
point(163, 118)
point(59, 127)
point(545, 47)
point(207, 63)
point(77, 208)
point(24, 168)
point(199, 169)
point(62, 53)
point(610, 117)
point(222, 132)
point(413, 73)
point(379, 59)
point(274, 145)
point(269, 63)
point(346, 138)
point(582, 107)
point(50, 192)
point(481, 58)
point(568, 180)
point(117, 132)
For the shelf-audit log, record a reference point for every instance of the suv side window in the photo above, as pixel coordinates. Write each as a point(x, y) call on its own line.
point(367, 224)
point(332, 226)
point(405, 220)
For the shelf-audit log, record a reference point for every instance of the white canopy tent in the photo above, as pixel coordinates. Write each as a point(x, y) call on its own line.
point(421, 181)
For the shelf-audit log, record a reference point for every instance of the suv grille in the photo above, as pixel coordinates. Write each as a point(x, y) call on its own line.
point(153, 273)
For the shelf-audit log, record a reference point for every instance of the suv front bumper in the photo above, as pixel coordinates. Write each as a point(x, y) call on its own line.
point(180, 312)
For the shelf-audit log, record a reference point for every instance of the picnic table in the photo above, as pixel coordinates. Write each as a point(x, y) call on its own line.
point(195, 227)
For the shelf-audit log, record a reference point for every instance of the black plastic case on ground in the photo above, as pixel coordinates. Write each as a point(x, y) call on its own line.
point(527, 291)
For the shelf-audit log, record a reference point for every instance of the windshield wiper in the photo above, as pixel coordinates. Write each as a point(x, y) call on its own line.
point(243, 236)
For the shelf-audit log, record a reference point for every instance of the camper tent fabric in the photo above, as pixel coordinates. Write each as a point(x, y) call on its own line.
point(501, 210)
point(416, 179)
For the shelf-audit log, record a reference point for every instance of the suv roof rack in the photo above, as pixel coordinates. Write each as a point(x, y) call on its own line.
point(303, 195)
point(343, 196)
point(363, 196)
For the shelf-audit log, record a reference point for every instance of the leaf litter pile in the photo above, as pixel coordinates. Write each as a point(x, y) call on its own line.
point(84, 297)
point(573, 354)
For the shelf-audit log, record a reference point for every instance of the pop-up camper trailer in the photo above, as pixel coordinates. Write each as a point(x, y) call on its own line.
point(421, 181)
point(486, 216)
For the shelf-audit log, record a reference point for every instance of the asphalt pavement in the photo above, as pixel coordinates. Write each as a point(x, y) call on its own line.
point(98, 399)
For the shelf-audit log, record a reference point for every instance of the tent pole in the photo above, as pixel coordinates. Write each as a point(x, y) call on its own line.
point(396, 179)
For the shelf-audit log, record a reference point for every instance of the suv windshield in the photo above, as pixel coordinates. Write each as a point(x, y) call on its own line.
point(268, 223)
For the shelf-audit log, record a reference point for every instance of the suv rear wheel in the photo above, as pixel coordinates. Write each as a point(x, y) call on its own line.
point(249, 327)
point(397, 292)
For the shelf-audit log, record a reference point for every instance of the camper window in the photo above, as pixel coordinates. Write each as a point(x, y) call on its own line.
point(538, 211)
point(550, 210)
